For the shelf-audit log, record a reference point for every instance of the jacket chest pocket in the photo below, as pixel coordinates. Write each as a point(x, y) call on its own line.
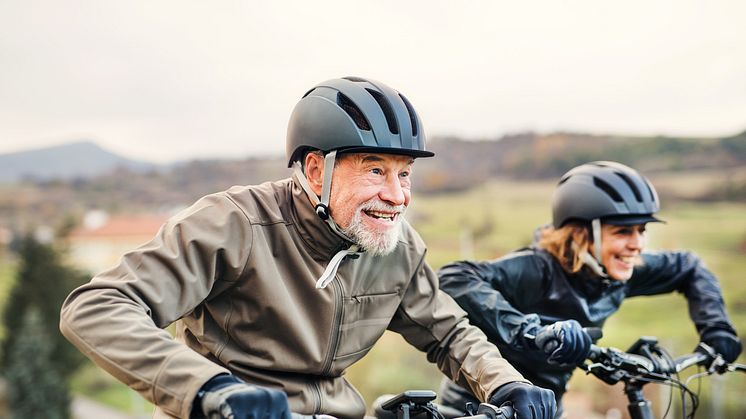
point(364, 320)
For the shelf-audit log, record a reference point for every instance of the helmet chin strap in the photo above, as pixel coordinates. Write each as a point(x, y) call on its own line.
point(595, 262)
point(321, 206)
point(592, 262)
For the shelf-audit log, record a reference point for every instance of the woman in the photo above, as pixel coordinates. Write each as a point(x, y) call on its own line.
point(533, 303)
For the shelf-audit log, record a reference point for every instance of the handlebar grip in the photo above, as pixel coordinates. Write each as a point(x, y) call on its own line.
point(506, 411)
point(490, 411)
point(294, 415)
point(595, 333)
point(594, 353)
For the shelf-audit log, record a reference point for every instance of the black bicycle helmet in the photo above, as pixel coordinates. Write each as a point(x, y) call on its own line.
point(612, 192)
point(353, 114)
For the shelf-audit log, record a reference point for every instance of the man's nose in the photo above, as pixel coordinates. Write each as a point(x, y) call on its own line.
point(392, 191)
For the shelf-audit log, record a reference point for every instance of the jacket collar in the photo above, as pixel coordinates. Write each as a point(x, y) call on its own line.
point(318, 237)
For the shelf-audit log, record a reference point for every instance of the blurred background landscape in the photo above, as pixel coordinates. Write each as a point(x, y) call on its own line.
point(69, 211)
point(115, 115)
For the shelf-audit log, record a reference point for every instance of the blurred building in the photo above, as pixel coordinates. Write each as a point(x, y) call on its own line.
point(102, 239)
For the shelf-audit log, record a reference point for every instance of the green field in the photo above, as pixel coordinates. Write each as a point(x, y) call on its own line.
point(7, 271)
point(499, 216)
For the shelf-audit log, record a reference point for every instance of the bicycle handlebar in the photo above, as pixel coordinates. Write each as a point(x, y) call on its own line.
point(490, 411)
point(485, 411)
point(316, 416)
point(621, 360)
point(645, 358)
point(414, 402)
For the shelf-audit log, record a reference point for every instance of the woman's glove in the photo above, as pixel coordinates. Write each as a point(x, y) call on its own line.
point(564, 342)
point(724, 343)
point(528, 401)
point(226, 397)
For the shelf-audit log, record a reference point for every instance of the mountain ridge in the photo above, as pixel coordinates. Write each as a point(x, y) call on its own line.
point(459, 162)
point(76, 159)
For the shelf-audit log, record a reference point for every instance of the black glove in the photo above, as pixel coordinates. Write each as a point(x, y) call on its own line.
point(226, 397)
point(529, 402)
point(724, 343)
point(565, 342)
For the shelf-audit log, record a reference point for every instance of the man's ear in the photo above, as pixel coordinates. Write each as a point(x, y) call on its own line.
point(314, 170)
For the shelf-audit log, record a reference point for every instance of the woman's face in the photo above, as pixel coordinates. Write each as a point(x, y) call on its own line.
point(620, 249)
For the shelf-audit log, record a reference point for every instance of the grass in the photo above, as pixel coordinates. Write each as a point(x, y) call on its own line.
point(497, 217)
point(7, 279)
point(500, 216)
point(93, 383)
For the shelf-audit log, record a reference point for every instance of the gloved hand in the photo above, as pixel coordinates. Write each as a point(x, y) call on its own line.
point(529, 402)
point(724, 343)
point(565, 342)
point(226, 397)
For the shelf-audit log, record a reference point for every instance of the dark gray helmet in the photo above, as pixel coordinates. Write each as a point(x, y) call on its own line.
point(352, 114)
point(609, 191)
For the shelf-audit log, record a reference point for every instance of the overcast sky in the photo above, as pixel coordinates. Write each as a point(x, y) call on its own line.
point(167, 80)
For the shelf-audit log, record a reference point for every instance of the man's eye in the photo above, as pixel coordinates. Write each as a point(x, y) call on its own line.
point(376, 171)
point(404, 174)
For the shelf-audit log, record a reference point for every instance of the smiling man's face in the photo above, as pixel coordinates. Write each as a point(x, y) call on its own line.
point(368, 197)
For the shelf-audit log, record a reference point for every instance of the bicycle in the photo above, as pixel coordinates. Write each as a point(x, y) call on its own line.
point(413, 403)
point(647, 362)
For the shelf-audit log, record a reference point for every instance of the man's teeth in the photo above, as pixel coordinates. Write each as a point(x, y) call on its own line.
point(380, 215)
point(627, 259)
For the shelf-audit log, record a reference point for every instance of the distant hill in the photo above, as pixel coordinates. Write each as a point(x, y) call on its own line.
point(83, 159)
point(70, 179)
point(460, 164)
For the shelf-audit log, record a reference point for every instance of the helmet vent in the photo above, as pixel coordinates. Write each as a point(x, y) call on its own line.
point(601, 184)
point(387, 111)
point(353, 111)
point(412, 115)
point(631, 185)
point(650, 191)
point(308, 93)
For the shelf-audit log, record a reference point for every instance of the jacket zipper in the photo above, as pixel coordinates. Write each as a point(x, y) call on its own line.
point(317, 393)
point(334, 341)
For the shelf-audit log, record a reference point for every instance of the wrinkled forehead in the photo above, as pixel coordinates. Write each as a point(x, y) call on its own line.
point(384, 158)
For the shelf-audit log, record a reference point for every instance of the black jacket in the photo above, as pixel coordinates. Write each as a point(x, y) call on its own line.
point(530, 286)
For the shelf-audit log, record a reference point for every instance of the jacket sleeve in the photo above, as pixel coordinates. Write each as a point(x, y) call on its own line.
point(664, 272)
point(483, 290)
point(117, 318)
point(431, 321)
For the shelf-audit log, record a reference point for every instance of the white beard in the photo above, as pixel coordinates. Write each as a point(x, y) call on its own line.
point(375, 243)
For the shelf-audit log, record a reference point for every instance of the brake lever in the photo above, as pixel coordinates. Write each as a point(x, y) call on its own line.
point(736, 367)
point(718, 365)
point(605, 373)
point(715, 362)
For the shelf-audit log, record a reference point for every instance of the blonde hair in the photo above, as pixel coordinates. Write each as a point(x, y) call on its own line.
point(566, 244)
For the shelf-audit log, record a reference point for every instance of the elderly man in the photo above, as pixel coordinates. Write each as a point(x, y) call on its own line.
point(278, 288)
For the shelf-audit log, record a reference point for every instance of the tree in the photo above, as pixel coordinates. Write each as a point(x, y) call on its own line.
point(35, 387)
point(42, 283)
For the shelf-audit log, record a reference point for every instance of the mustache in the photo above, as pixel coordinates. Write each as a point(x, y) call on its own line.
point(377, 205)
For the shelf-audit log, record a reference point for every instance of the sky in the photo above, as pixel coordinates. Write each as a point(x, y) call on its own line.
point(173, 80)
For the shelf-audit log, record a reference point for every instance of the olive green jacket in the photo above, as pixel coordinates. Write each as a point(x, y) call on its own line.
point(237, 272)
